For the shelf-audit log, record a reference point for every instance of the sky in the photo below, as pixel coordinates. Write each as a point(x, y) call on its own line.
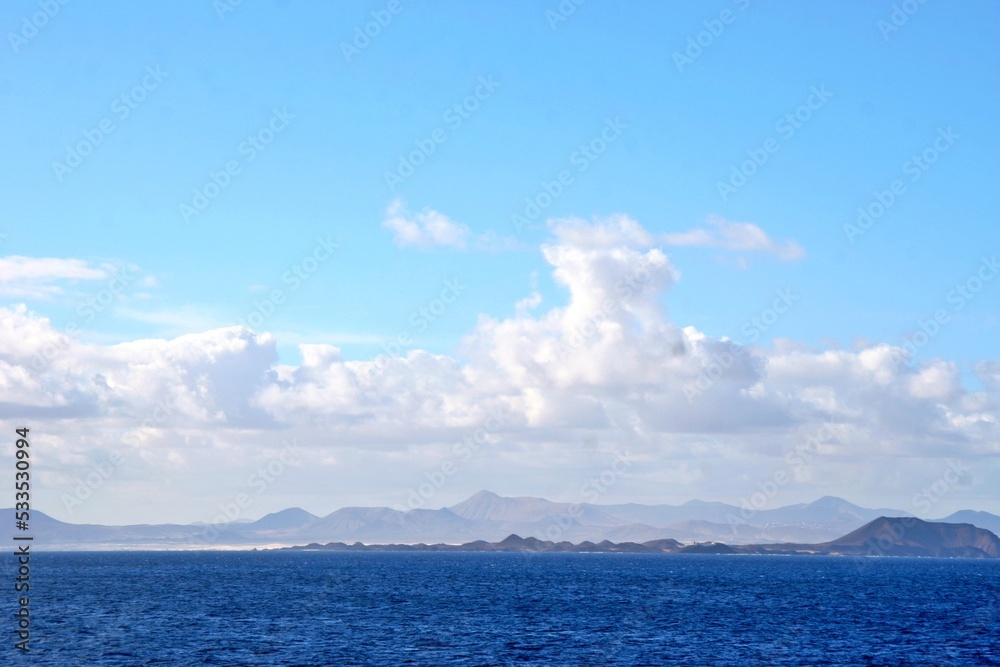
point(392, 253)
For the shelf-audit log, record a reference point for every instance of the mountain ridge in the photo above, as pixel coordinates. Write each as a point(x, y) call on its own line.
point(490, 517)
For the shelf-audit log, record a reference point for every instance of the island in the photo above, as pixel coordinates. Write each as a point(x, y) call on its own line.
point(885, 536)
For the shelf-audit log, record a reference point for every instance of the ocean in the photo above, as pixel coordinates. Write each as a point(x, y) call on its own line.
point(323, 608)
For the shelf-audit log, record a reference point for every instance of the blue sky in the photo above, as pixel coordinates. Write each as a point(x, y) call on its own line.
point(331, 121)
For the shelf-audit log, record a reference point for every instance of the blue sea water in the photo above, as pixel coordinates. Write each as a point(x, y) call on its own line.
point(323, 608)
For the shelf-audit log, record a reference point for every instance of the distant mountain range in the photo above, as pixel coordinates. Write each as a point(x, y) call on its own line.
point(491, 518)
point(897, 536)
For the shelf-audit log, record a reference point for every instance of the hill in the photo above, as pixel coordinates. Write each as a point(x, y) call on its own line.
point(885, 536)
point(899, 536)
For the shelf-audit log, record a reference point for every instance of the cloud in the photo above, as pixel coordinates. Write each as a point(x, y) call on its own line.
point(42, 277)
point(607, 363)
point(739, 236)
point(425, 229)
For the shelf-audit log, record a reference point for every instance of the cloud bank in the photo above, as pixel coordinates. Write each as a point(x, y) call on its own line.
point(700, 416)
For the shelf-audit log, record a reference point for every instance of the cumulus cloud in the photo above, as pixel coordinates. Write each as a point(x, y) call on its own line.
point(606, 364)
point(738, 236)
point(425, 229)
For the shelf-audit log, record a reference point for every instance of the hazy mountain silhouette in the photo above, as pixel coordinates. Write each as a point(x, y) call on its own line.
point(491, 518)
point(488, 506)
point(293, 517)
point(985, 520)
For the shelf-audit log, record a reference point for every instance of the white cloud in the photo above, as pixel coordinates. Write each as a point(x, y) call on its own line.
point(607, 365)
point(43, 277)
point(425, 229)
point(739, 236)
